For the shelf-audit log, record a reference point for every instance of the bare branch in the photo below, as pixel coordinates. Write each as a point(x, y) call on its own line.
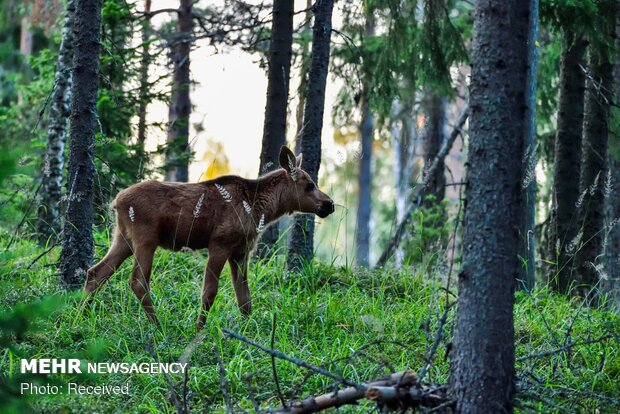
point(290, 359)
point(223, 382)
point(417, 196)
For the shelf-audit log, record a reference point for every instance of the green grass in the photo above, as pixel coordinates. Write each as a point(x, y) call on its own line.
point(325, 316)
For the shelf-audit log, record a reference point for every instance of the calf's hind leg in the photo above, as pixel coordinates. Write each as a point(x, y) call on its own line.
point(101, 272)
point(239, 274)
point(141, 277)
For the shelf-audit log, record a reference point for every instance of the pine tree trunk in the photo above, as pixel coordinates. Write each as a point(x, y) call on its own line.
point(567, 161)
point(433, 140)
point(302, 90)
point(48, 217)
point(611, 286)
point(144, 75)
point(593, 178)
point(527, 275)
point(274, 131)
point(364, 205)
point(77, 246)
point(403, 137)
point(301, 243)
point(177, 163)
point(483, 375)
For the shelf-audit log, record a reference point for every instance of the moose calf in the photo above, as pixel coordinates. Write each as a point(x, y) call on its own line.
point(224, 215)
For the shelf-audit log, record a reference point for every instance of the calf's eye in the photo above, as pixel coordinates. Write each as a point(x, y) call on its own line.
point(309, 187)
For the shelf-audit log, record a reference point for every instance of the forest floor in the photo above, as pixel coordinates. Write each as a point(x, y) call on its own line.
point(359, 324)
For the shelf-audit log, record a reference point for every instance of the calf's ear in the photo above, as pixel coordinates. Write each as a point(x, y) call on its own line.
point(287, 159)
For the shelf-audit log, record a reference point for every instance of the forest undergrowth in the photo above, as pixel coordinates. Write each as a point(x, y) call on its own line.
point(359, 324)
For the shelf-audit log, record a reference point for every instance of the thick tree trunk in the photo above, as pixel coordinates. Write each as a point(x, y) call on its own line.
point(144, 75)
point(274, 131)
point(77, 246)
point(527, 276)
point(593, 178)
point(567, 162)
point(364, 204)
point(433, 139)
point(301, 243)
point(177, 163)
point(48, 220)
point(483, 374)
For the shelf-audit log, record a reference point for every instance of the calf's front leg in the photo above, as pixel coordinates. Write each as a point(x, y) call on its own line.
point(215, 264)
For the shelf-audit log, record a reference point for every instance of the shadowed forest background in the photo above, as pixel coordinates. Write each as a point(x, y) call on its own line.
point(472, 150)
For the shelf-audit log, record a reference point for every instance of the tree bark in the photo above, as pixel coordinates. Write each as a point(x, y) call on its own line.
point(144, 75)
point(611, 286)
point(567, 161)
point(77, 246)
point(274, 131)
point(364, 205)
point(301, 243)
point(482, 378)
point(593, 178)
point(177, 163)
point(302, 90)
point(403, 140)
point(48, 217)
point(433, 139)
point(527, 276)
point(26, 38)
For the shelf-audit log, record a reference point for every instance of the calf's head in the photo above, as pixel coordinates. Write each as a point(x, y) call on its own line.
point(305, 196)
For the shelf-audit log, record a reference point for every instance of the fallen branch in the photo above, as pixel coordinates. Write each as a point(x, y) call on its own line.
point(564, 348)
point(290, 359)
point(417, 196)
point(223, 382)
point(348, 395)
point(438, 337)
point(274, 371)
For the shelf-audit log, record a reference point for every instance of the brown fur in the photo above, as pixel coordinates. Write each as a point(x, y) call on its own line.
point(155, 214)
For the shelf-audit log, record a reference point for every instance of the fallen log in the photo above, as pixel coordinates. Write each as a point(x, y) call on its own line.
point(401, 388)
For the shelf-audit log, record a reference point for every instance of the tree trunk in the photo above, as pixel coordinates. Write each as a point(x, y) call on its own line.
point(144, 75)
point(433, 139)
point(403, 137)
point(274, 131)
point(567, 161)
point(611, 286)
point(364, 205)
point(527, 275)
point(48, 220)
point(593, 178)
point(483, 375)
point(302, 90)
point(25, 37)
point(301, 243)
point(177, 163)
point(77, 246)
